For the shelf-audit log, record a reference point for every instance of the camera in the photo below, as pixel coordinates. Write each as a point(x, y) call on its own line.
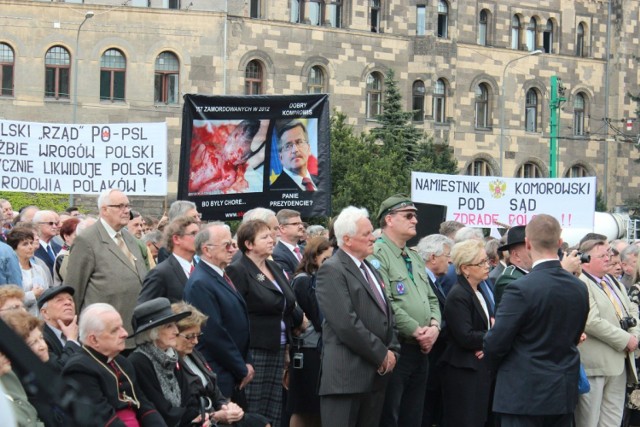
point(298, 360)
point(628, 322)
point(584, 258)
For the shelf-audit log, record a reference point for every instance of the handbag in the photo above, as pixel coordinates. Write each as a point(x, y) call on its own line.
point(583, 383)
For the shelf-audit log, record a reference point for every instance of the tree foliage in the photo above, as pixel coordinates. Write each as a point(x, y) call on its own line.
point(54, 202)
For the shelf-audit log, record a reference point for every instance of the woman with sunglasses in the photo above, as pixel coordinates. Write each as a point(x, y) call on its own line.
point(466, 380)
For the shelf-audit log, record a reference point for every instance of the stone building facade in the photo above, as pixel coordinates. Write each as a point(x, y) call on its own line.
point(135, 60)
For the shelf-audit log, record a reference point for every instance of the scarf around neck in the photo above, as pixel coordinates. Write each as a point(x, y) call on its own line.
point(164, 363)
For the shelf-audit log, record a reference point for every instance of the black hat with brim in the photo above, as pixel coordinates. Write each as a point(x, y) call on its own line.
point(155, 312)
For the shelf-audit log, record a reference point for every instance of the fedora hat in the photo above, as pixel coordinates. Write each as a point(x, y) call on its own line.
point(154, 313)
point(515, 236)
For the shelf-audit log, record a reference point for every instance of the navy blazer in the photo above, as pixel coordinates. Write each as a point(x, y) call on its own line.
point(167, 280)
point(225, 343)
point(44, 256)
point(286, 259)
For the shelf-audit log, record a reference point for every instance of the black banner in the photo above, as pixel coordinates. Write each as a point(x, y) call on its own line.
point(242, 152)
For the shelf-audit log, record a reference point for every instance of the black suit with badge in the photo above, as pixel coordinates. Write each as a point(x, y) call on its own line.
point(286, 259)
point(167, 279)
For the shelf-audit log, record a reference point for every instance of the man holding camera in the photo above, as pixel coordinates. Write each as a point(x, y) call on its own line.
point(612, 331)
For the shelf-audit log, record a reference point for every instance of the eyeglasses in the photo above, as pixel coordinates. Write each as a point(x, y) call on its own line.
point(407, 215)
point(13, 307)
point(191, 337)
point(603, 256)
point(121, 206)
point(444, 255)
point(298, 143)
point(197, 216)
point(192, 234)
point(481, 263)
point(295, 224)
point(227, 245)
point(50, 223)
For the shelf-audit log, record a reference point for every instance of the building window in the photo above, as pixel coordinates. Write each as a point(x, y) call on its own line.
point(443, 19)
point(374, 12)
point(529, 170)
point(579, 114)
point(334, 13)
point(515, 32)
point(171, 4)
point(112, 75)
point(374, 95)
point(580, 51)
point(7, 61)
point(531, 35)
point(314, 12)
point(531, 111)
point(479, 168)
point(483, 22)
point(57, 62)
point(295, 11)
point(315, 80)
point(255, 9)
point(439, 101)
point(482, 106)
point(253, 78)
point(421, 19)
point(167, 78)
point(576, 171)
point(418, 101)
point(547, 37)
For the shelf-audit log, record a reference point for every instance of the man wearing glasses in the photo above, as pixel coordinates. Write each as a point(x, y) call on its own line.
point(105, 263)
point(294, 149)
point(416, 309)
point(48, 226)
point(225, 340)
point(169, 277)
point(287, 253)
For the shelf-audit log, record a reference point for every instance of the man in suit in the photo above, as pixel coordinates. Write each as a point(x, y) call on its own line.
point(225, 339)
point(286, 252)
point(415, 307)
point(177, 209)
point(169, 277)
point(360, 345)
point(48, 226)
point(294, 149)
point(105, 262)
point(607, 354)
point(435, 250)
point(60, 331)
point(533, 343)
point(503, 259)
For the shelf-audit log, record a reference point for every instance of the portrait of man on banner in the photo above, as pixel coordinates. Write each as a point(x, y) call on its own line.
point(227, 156)
point(294, 158)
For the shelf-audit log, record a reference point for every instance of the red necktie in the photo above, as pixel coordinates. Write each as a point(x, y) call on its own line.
point(298, 254)
point(228, 279)
point(308, 185)
point(193, 267)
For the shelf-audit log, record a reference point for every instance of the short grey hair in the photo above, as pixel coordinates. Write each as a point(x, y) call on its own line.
point(38, 216)
point(105, 197)
point(154, 236)
point(180, 208)
point(433, 245)
point(345, 224)
point(262, 214)
point(204, 235)
point(148, 336)
point(467, 233)
point(91, 320)
point(315, 230)
point(84, 224)
point(629, 251)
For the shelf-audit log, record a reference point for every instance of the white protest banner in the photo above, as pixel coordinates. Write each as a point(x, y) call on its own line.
point(83, 159)
point(483, 201)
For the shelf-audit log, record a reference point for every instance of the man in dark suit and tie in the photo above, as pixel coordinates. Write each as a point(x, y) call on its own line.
point(533, 343)
point(169, 277)
point(360, 343)
point(294, 149)
point(48, 226)
point(286, 252)
point(225, 339)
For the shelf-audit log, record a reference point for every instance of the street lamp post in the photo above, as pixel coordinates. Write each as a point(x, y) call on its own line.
point(502, 100)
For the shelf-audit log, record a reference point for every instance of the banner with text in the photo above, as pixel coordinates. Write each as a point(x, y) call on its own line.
point(83, 159)
point(485, 201)
point(242, 152)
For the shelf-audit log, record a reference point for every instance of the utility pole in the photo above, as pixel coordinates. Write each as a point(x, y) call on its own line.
point(557, 97)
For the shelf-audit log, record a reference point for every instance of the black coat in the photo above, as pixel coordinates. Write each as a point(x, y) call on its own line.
point(167, 280)
point(58, 354)
point(286, 259)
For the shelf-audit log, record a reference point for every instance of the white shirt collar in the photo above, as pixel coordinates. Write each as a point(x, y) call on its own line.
point(298, 178)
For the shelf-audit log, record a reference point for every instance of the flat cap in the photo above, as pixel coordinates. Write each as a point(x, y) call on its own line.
point(52, 292)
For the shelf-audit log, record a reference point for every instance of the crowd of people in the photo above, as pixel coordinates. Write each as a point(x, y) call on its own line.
point(144, 322)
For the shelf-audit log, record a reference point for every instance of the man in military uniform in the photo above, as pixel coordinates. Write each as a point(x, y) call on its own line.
point(415, 306)
point(519, 261)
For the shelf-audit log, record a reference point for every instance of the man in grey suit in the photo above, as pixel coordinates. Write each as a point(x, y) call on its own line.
point(360, 343)
point(105, 262)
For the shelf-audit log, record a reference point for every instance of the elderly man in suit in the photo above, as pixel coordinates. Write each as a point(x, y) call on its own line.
point(60, 331)
point(169, 278)
point(105, 262)
point(48, 226)
point(612, 337)
point(533, 343)
point(225, 339)
point(360, 344)
point(287, 253)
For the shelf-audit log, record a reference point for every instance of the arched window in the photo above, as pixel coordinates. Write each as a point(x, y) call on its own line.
point(315, 80)
point(482, 106)
point(113, 66)
point(443, 19)
point(7, 61)
point(577, 171)
point(515, 32)
point(531, 35)
point(483, 23)
point(374, 95)
point(580, 36)
point(374, 15)
point(57, 63)
point(167, 79)
point(579, 114)
point(529, 170)
point(479, 168)
point(253, 78)
point(531, 111)
point(439, 101)
point(547, 37)
point(418, 101)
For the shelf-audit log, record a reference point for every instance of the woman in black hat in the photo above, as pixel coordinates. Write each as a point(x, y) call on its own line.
point(156, 363)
